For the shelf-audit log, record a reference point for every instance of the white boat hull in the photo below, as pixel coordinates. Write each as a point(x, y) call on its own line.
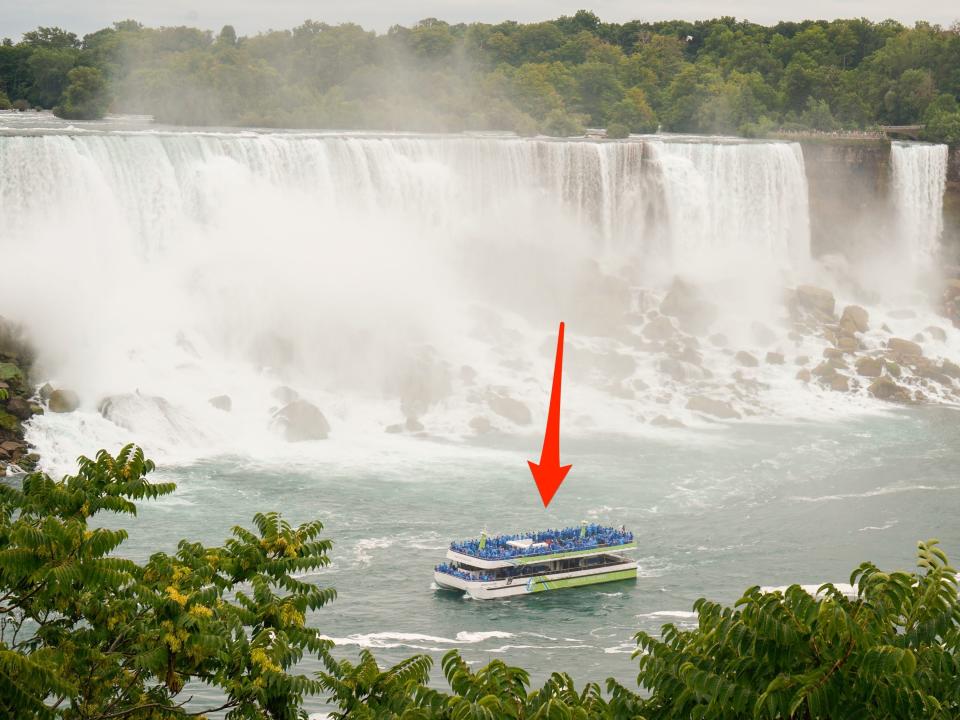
point(539, 583)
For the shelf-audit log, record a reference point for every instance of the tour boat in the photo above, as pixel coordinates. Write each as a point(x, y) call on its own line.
point(506, 565)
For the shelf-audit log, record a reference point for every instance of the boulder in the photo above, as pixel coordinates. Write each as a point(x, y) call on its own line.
point(892, 368)
point(715, 408)
point(302, 421)
point(802, 359)
point(467, 374)
point(12, 447)
point(884, 388)
point(804, 375)
point(222, 402)
point(659, 328)
point(832, 353)
point(718, 340)
point(746, 359)
point(684, 302)
point(9, 371)
point(762, 334)
point(63, 401)
point(857, 317)
point(481, 425)
point(673, 368)
point(775, 358)
point(45, 391)
point(664, 421)
point(870, 366)
point(904, 348)
point(825, 370)
point(937, 333)
point(284, 394)
point(413, 425)
point(847, 344)
point(394, 429)
point(815, 298)
point(509, 408)
point(19, 408)
point(838, 383)
point(950, 369)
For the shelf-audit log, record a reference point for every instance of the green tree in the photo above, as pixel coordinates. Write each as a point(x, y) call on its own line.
point(891, 651)
point(48, 68)
point(86, 97)
point(86, 634)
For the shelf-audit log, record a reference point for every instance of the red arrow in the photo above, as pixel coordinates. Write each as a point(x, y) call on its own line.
point(550, 473)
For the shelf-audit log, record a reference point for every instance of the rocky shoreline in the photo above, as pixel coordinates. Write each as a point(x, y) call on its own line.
point(18, 401)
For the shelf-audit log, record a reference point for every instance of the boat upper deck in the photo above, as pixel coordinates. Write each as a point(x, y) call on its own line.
point(508, 549)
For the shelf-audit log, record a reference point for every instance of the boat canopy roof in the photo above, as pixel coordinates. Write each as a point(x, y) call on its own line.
point(543, 542)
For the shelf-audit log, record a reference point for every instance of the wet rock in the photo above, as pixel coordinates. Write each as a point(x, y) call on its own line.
point(775, 358)
point(19, 408)
point(693, 312)
point(857, 317)
point(795, 336)
point(509, 408)
point(801, 359)
point(804, 375)
point(746, 359)
point(673, 368)
point(838, 383)
point(302, 421)
point(12, 448)
point(762, 334)
point(886, 329)
point(825, 370)
point(937, 333)
point(718, 340)
point(847, 344)
point(833, 353)
point(715, 408)
point(892, 368)
point(904, 348)
point(413, 425)
point(664, 421)
point(45, 391)
point(63, 401)
point(660, 328)
point(221, 402)
point(481, 425)
point(394, 429)
point(284, 394)
point(950, 369)
point(869, 366)
point(467, 375)
point(815, 298)
point(884, 388)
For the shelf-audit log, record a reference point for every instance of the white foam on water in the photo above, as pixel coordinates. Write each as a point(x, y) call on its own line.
point(416, 640)
point(845, 588)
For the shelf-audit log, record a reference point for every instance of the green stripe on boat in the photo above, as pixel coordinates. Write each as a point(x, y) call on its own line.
point(527, 559)
point(540, 583)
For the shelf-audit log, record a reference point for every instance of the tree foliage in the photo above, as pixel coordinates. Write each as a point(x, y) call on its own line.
point(719, 75)
point(85, 633)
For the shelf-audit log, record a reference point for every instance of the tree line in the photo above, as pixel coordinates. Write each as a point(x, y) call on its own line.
point(556, 77)
point(86, 634)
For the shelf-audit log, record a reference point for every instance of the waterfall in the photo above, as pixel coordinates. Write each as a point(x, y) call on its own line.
point(919, 180)
point(372, 273)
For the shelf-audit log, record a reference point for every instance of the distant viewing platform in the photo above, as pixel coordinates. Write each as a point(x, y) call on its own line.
point(545, 542)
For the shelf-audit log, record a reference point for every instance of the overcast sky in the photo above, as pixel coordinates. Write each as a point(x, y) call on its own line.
point(250, 16)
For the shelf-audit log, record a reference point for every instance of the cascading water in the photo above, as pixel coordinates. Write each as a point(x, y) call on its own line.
point(387, 279)
point(919, 179)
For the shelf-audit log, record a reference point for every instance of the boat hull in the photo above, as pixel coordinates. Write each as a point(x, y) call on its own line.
point(539, 583)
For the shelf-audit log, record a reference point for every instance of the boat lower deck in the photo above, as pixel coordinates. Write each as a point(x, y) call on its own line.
point(555, 575)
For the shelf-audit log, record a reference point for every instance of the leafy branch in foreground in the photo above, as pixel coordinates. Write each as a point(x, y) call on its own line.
point(86, 634)
point(890, 651)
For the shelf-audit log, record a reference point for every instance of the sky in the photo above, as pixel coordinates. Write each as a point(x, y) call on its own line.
point(251, 16)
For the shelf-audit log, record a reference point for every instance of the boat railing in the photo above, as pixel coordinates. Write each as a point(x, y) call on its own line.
point(554, 541)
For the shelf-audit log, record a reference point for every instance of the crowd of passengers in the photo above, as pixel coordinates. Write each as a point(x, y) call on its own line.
point(567, 539)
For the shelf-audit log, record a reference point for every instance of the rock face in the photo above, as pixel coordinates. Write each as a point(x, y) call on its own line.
point(509, 408)
point(814, 298)
point(63, 401)
point(684, 302)
point(709, 406)
point(302, 421)
point(222, 402)
point(857, 317)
